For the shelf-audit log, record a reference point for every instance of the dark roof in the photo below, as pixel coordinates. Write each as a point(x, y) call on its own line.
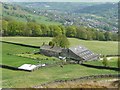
point(83, 52)
point(51, 48)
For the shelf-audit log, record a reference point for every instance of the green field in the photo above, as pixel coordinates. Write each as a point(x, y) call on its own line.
point(14, 55)
point(41, 59)
point(12, 60)
point(111, 63)
point(100, 47)
point(17, 79)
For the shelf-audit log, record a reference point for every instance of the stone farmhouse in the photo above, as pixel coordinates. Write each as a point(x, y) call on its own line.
point(77, 53)
point(51, 50)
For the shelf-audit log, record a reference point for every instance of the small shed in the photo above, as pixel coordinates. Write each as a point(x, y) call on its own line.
point(28, 67)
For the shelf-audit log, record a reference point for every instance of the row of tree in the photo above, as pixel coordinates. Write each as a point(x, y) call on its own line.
point(16, 28)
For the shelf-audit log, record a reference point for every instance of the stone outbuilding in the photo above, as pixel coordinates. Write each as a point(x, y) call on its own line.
point(54, 51)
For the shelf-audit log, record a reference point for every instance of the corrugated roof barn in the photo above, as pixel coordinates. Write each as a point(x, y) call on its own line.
point(84, 53)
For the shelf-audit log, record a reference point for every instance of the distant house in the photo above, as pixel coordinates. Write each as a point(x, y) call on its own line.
point(78, 53)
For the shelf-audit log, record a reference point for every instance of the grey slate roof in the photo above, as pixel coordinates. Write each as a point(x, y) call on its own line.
point(83, 52)
point(78, 49)
point(51, 48)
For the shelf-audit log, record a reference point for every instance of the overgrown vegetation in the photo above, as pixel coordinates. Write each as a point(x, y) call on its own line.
point(105, 61)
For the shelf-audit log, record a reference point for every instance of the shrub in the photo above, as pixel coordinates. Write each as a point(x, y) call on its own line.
point(105, 61)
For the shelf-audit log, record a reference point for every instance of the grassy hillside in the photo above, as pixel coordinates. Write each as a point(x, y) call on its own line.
point(100, 47)
point(15, 12)
point(96, 15)
point(17, 79)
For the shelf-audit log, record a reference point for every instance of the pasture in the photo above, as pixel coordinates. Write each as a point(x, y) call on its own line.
point(9, 59)
point(17, 79)
point(15, 55)
point(113, 62)
point(12, 79)
point(100, 47)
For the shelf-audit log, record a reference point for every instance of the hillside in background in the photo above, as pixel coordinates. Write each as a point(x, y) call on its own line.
point(22, 14)
point(102, 16)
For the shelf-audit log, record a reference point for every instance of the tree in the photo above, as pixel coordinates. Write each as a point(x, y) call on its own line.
point(84, 34)
point(4, 27)
point(89, 35)
point(114, 36)
point(21, 29)
point(33, 29)
point(79, 32)
point(61, 41)
point(45, 30)
point(62, 29)
point(51, 43)
point(105, 61)
point(13, 28)
point(56, 31)
point(71, 31)
point(107, 36)
point(101, 36)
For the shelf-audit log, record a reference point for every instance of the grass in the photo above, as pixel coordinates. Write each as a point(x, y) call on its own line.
point(20, 79)
point(14, 55)
point(41, 58)
point(111, 63)
point(12, 60)
point(100, 47)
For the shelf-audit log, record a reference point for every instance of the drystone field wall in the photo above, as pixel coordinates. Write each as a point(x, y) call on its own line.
point(81, 79)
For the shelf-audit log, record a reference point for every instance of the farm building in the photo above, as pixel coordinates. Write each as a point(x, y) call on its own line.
point(50, 50)
point(30, 67)
point(78, 53)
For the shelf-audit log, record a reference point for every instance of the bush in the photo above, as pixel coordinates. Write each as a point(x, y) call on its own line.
point(105, 61)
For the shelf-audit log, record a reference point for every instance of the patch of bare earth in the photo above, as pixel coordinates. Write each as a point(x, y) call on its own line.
point(111, 83)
